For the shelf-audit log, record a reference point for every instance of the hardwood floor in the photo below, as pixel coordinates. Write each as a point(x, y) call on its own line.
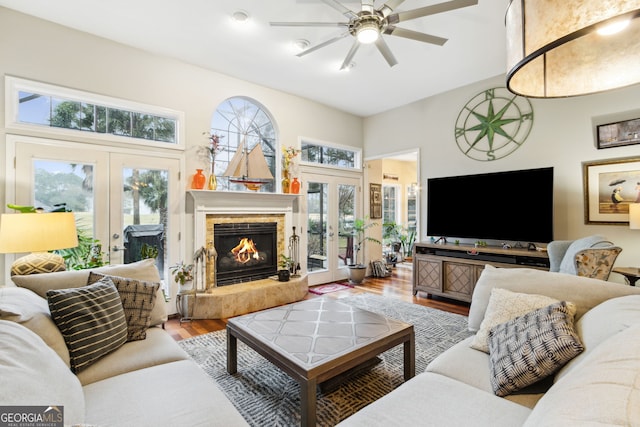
point(398, 285)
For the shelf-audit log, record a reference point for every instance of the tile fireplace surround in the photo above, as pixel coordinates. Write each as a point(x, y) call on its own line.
point(211, 207)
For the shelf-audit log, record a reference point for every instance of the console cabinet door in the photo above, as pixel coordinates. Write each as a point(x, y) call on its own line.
point(459, 280)
point(427, 274)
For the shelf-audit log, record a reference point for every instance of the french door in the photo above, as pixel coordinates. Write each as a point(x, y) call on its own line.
point(127, 200)
point(332, 203)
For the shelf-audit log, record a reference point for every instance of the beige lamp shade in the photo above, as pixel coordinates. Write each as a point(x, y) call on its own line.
point(37, 233)
point(634, 216)
point(555, 48)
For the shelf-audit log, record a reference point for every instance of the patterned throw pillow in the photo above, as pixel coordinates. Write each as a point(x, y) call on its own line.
point(505, 305)
point(529, 348)
point(91, 320)
point(138, 298)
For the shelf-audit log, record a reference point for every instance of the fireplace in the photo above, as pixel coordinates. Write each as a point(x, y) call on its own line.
point(246, 251)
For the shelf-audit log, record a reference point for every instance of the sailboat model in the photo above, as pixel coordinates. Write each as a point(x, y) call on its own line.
point(249, 168)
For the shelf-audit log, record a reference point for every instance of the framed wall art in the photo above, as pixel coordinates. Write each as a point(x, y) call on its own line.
point(609, 187)
point(618, 134)
point(375, 201)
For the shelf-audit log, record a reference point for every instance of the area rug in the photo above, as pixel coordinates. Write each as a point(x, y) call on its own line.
point(331, 287)
point(265, 396)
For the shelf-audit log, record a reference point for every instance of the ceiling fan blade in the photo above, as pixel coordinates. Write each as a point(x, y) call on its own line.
point(323, 44)
point(429, 10)
point(309, 24)
point(350, 55)
point(340, 8)
point(389, 7)
point(367, 6)
point(386, 52)
point(414, 35)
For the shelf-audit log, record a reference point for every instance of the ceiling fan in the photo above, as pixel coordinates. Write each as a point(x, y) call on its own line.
point(370, 23)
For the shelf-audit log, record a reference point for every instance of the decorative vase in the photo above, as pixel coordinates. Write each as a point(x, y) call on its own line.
point(198, 180)
point(295, 186)
point(286, 184)
point(212, 184)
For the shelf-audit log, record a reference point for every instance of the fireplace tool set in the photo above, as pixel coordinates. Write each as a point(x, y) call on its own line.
point(294, 253)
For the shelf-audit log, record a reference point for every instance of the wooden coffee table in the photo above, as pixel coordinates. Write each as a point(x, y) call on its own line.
point(318, 339)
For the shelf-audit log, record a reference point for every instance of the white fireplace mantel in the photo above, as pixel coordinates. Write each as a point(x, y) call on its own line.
point(207, 202)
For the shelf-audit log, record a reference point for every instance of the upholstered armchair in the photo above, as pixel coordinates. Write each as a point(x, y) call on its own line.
point(591, 256)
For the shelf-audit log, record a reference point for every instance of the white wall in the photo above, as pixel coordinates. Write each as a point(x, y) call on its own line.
point(39, 50)
point(562, 136)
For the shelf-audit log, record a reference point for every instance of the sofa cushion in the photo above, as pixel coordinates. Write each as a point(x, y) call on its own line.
point(32, 374)
point(476, 372)
point(138, 298)
point(158, 348)
point(602, 322)
point(568, 263)
point(30, 310)
point(435, 400)
point(505, 305)
point(531, 347)
point(91, 320)
point(142, 270)
point(167, 395)
point(584, 292)
point(604, 389)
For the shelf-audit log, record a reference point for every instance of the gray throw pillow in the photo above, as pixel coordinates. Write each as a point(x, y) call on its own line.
point(531, 347)
point(138, 298)
point(91, 320)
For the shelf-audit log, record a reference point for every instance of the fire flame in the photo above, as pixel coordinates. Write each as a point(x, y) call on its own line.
point(245, 250)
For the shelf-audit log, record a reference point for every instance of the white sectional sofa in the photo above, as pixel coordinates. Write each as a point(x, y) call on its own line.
point(145, 382)
point(600, 386)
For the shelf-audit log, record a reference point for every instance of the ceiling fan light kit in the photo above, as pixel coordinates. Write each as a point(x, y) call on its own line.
point(369, 24)
point(572, 47)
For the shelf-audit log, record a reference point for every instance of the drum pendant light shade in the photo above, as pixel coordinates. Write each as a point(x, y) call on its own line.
point(555, 48)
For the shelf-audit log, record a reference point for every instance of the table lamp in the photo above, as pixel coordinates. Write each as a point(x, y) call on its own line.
point(37, 233)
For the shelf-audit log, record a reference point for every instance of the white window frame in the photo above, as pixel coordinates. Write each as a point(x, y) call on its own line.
point(396, 201)
point(357, 157)
point(14, 85)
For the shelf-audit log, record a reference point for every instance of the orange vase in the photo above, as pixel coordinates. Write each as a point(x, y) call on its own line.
point(295, 186)
point(199, 180)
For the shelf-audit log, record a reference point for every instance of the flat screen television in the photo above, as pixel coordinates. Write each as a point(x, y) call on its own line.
point(514, 206)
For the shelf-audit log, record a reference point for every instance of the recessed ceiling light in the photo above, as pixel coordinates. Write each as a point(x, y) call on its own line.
point(300, 45)
point(349, 66)
point(240, 16)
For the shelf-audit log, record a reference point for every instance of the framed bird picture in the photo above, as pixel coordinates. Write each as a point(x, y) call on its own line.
point(609, 187)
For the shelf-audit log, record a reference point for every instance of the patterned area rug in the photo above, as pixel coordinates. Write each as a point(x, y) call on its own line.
point(265, 396)
point(331, 287)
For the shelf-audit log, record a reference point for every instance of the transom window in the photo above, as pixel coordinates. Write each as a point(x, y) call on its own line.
point(330, 155)
point(33, 104)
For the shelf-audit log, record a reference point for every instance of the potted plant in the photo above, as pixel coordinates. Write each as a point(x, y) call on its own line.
point(358, 270)
point(183, 274)
point(284, 273)
point(400, 239)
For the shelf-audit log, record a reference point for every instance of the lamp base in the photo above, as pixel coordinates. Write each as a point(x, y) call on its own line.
point(37, 262)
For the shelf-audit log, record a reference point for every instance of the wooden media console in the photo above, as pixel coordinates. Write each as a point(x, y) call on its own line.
point(452, 270)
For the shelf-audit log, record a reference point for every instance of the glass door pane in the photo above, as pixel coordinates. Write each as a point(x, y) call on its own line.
point(317, 208)
point(141, 201)
point(346, 211)
point(144, 214)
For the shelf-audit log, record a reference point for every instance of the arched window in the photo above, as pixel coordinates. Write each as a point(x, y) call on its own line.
point(243, 126)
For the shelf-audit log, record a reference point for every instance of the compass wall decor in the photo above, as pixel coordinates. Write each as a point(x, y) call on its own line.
point(493, 124)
